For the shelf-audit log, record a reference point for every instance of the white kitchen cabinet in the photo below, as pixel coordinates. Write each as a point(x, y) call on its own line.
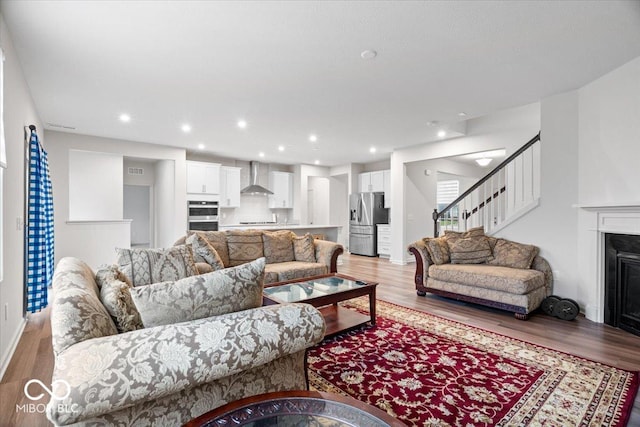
point(203, 178)
point(229, 187)
point(384, 240)
point(371, 181)
point(387, 188)
point(281, 183)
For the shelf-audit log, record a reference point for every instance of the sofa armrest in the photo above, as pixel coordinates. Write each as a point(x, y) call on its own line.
point(423, 261)
point(112, 373)
point(327, 253)
point(542, 265)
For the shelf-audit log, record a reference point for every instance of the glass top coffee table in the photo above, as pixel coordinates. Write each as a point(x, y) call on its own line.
point(325, 292)
point(296, 408)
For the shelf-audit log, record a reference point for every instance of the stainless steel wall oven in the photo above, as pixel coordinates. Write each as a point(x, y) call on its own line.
point(202, 215)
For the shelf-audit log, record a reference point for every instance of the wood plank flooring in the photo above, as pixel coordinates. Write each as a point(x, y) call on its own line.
point(34, 356)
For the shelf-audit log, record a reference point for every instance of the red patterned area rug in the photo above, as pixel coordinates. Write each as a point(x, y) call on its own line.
point(429, 371)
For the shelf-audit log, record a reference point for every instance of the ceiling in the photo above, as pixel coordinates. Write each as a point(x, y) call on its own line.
point(291, 69)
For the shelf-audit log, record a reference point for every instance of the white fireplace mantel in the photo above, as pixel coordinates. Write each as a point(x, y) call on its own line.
point(595, 220)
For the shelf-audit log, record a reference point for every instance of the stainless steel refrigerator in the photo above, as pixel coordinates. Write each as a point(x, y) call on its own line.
point(365, 211)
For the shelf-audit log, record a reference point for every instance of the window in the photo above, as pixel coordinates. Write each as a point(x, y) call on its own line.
point(447, 192)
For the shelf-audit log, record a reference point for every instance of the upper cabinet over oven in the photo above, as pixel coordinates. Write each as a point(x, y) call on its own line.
point(203, 178)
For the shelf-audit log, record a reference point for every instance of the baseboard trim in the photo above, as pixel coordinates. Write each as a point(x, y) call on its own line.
point(12, 348)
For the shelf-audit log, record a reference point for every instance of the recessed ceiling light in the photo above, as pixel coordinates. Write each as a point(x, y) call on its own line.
point(368, 54)
point(280, 147)
point(125, 118)
point(186, 128)
point(442, 134)
point(261, 154)
point(200, 146)
point(242, 124)
point(462, 114)
point(317, 162)
point(372, 149)
point(313, 138)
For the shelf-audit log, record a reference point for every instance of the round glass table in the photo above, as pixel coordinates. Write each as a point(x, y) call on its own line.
point(296, 408)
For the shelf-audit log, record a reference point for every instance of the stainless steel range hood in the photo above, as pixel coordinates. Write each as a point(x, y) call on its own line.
point(254, 188)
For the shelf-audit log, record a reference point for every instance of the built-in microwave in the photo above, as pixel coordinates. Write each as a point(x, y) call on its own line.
point(202, 215)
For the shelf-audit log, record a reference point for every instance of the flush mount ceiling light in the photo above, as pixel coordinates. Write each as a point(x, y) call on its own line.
point(442, 134)
point(125, 118)
point(462, 114)
point(186, 128)
point(368, 54)
point(242, 124)
point(484, 161)
point(313, 138)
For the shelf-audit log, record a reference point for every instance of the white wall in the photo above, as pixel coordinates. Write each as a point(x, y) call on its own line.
point(320, 187)
point(19, 111)
point(339, 206)
point(95, 186)
point(172, 222)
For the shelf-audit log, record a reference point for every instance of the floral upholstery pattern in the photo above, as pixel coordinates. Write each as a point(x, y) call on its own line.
point(212, 294)
point(513, 254)
point(204, 252)
point(304, 248)
point(469, 250)
point(77, 314)
point(512, 280)
point(278, 246)
point(283, 271)
point(116, 298)
point(145, 266)
point(244, 246)
point(438, 249)
point(123, 375)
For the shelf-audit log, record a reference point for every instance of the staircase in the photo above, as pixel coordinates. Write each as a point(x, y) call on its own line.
point(503, 195)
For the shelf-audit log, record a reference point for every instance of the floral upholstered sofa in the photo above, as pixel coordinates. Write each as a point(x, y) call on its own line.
point(470, 266)
point(288, 256)
point(188, 346)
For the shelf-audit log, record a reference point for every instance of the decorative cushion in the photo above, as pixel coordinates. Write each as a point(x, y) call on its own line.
point(116, 298)
point(278, 246)
point(204, 252)
point(438, 250)
point(146, 266)
point(304, 249)
point(244, 246)
point(218, 241)
point(472, 232)
point(469, 250)
point(212, 294)
point(511, 254)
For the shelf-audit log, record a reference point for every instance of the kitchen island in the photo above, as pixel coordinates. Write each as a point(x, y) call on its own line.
point(329, 231)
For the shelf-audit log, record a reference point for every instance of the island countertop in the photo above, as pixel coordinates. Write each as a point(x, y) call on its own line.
point(330, 231)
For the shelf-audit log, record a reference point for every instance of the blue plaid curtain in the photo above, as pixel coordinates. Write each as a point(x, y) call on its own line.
point(40, 227)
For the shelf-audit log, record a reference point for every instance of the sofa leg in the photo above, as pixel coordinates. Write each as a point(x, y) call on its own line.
point(421, 293)
point(521, 316)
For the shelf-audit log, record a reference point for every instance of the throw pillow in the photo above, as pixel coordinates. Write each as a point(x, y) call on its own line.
point(278, 246)
point(438, 250)
point(115, 296)
point(511, 254)
point(204, 252)
point(145, 266)
point(212, 294)
point(469, 250)
point(218, 241)
point(304, 249)
point(244, 246)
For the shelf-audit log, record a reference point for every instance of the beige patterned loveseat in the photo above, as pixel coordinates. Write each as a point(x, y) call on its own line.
point(168, 374)
point(470, 266)
point(288, 256)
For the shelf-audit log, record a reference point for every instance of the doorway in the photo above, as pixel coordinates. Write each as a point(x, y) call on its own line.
point(137, 208)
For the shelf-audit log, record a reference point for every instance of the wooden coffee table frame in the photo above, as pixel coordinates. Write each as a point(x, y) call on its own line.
point(337, 319)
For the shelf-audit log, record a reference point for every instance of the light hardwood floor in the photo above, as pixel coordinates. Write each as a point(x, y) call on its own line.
point(34, 357)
